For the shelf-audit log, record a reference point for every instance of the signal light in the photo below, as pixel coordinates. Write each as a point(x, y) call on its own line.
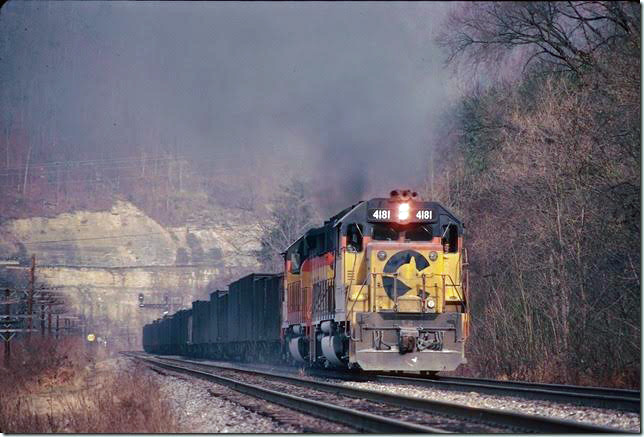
point(403, 211)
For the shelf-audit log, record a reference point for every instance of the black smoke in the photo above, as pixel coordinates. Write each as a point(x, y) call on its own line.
point(344, 94)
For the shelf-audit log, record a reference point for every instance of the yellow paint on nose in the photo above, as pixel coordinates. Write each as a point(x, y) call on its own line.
point(408, 271)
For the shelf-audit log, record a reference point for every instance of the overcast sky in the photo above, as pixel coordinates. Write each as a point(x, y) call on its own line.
point(346, 94)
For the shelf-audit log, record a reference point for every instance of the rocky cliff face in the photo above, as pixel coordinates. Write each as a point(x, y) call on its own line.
point(104, 260)
point(125, 236)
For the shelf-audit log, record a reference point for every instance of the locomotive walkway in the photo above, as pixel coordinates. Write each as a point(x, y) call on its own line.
point(368, 410)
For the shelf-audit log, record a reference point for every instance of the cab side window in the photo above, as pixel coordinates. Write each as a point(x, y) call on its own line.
point(312, 244)
point(298, 256)
point(354, 238)
point(295, 262)
point(450, 238)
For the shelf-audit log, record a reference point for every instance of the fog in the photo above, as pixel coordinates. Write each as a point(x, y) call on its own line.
point(347, 95)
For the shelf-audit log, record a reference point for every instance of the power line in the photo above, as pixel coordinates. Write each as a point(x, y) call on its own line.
point(51, 173)
point(68, 168)
point(58, 164)
point(69, 181)
point(93, 161)
point(110, 237)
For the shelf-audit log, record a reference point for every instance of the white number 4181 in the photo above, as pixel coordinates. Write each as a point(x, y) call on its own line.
point(382, 214)
point(424, 214)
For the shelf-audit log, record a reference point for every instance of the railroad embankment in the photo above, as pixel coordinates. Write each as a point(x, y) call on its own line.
point(67, 387)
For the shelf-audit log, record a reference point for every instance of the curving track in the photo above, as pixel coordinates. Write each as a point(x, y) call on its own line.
point(367, 410)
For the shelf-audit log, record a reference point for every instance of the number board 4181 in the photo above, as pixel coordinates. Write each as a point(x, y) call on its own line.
point(391, 215)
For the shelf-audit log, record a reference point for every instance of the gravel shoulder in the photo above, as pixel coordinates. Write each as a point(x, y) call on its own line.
point(205, 407)
point(613, 418)
point(198, 411)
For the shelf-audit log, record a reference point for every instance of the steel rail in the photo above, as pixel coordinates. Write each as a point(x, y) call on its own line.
point(630, 401)
point(514, 420)
point(602, 391)
point(598, 397)
point(359, 420)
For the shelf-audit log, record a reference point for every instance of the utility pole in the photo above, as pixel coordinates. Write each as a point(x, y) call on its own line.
point(42, 320)
point(8, 335)
point(30, 296)
point(49, 319)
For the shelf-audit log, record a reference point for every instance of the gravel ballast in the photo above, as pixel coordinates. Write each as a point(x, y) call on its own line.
point(198, 411)
point(597, 416)
point(617, 419)
point(205, 407)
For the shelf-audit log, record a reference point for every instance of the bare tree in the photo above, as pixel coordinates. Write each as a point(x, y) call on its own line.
point(545, 169)
point(291, 214)
point(563, 36)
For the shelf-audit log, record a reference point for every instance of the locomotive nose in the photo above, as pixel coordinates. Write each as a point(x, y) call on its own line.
point(404, 280)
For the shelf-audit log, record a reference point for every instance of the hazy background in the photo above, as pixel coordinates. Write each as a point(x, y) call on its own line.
point(344, 94)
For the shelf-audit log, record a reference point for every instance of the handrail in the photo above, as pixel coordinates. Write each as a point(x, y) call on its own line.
point(395, 292)
point(352, 305)
point(462, 300)
point(344, 280)
point(444, 276)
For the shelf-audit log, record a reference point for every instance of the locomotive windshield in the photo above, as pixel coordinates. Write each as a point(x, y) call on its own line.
point(384, 232)
point(393, 232)
point(419, 233)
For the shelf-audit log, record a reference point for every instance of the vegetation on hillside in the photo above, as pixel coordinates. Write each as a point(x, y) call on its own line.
point(544, 165)
point(172, 190)
point(291, 213)
point(67, 386)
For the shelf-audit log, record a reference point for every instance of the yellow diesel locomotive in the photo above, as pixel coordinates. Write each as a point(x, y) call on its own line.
point(382, 286)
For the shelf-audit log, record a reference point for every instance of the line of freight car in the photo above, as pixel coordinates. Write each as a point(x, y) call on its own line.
point(242, 322)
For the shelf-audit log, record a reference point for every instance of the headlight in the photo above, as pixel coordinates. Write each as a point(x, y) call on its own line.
point(403, 211)
point(382, 255)
point(430, 303)
point(433, 256)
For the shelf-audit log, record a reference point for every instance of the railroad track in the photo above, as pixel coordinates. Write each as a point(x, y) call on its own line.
point(627, 400)
point(355, 419)
point(367, 410)
point(597, 397)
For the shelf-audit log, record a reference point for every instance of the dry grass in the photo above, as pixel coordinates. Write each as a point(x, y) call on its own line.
point(64, 387)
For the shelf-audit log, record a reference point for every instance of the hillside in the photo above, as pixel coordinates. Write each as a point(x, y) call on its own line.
point(103, 260)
